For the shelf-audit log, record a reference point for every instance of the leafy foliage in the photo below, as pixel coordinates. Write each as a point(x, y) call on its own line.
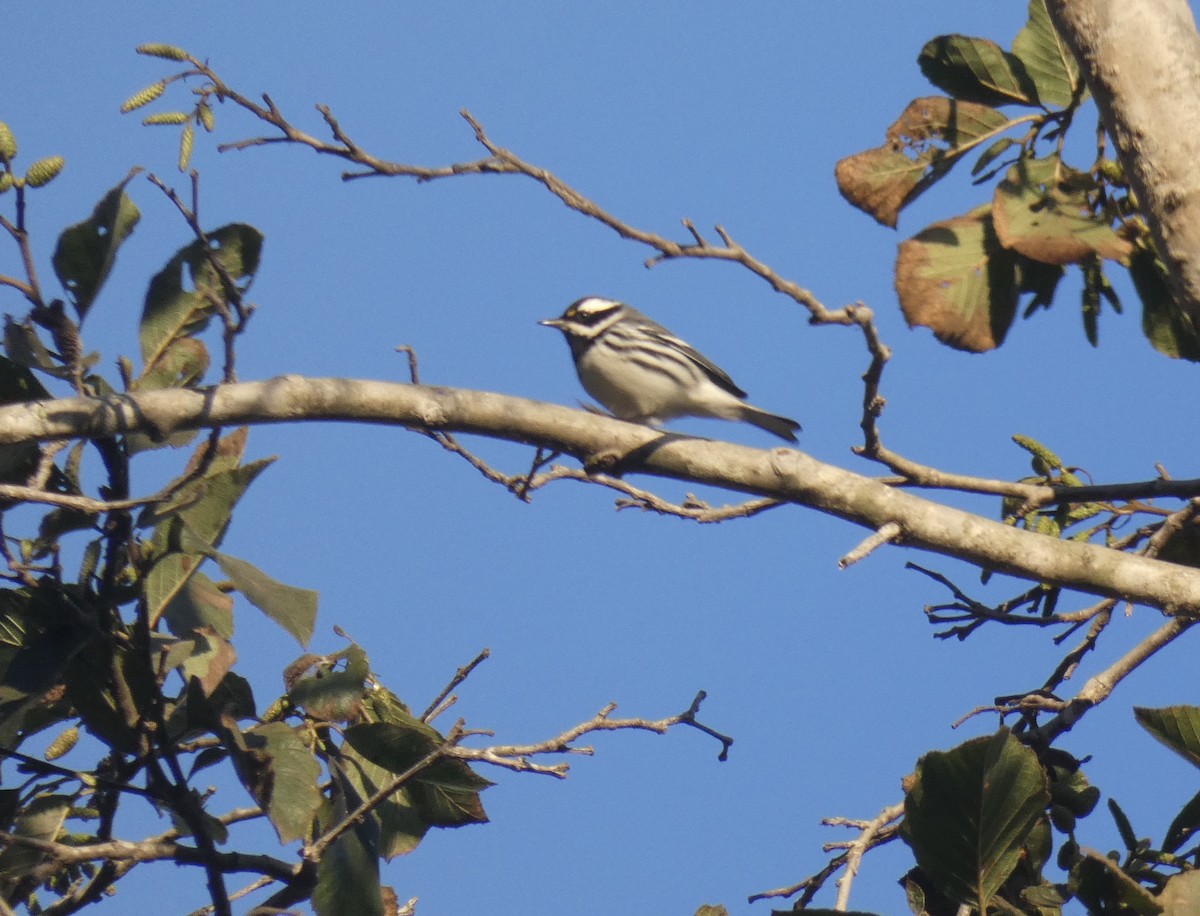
point(963, 277)
point(136, 650)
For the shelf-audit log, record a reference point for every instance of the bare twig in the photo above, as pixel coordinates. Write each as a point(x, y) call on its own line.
point(541, 458)
point(31, 288)
point(313, 851)
point(976, 613)
point(68, 501)
point(1100, 614)
point(1170, 527)
point(145, 851)
point(1100, 686)
point(459, 676)
point(414, 369)
point(517, 756)
point(83, 778)
point(887, 533)
point(871, 834)
point(255, 885)
point(876, 832)
point(639, 498)
point(232, 308)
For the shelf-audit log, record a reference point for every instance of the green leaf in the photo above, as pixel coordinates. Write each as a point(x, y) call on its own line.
point(199, 604)
point(1045, 897)
point(25, 348)
point(43, 624)
point(1073, 791)
point(1038, 279)
point(971, 811)
point(89, 683)
point(955, 278)
point(994, 150)
point(401, 828)
point(976, 70)
point(293, 797)
point(395, 746)
point(212, 826)
point(55, 524)
point(922, 144)
point(1042, 210)
point(216, 496)
point(179, 301)
point(202, 510)
point(325, 688)
point(211, 658)
point(1046, 58)
point(18, 384)
point(39, 634)
point(1178, 727)
point(348, 873)
point(294, 609)
point(87, 251)
point(41, 819)
point(1091, 302)
point(218, 711)
point(1124, 827)
point(1169, 328)
point(182, 364)
point(1184, 826)
point(445, 793)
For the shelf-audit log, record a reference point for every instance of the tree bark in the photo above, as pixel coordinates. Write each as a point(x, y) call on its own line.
point(782, 473)
point(1141, 61)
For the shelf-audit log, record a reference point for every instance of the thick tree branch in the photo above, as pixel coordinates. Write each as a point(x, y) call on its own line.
point(784, 474)
point(1147, 102)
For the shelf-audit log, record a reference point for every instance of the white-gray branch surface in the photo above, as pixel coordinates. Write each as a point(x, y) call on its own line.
point(782, 473)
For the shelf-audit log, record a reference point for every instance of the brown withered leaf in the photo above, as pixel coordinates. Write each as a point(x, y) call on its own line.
point(956, 279)
point(930, 135)
point(879, 182)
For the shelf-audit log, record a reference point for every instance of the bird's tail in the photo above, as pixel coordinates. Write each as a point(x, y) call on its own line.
point(772, 423)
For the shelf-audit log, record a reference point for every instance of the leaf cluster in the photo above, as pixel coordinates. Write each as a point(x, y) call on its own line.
point(981, 820)
point(966, 276)
point(134, 648)
point(986, 820)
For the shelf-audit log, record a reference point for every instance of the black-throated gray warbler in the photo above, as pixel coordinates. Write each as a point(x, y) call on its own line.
point(641, 371)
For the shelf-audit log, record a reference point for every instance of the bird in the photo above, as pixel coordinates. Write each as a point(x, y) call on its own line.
point(642, 372)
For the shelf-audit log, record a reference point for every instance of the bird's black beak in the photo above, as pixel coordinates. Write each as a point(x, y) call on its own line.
point(552, 322)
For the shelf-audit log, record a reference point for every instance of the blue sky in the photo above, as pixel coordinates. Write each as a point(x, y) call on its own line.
point(830, 682)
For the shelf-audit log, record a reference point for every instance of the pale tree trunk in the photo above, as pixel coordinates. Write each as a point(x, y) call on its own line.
point(1141, 61)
